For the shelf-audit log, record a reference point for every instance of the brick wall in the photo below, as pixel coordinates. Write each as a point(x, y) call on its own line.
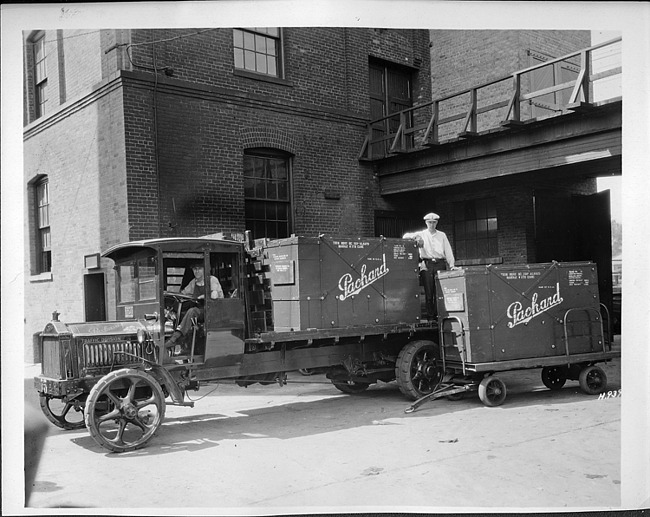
point(130, 155)
point(73, 64)
point(86, 214)
point(206, 116)
point(462, 59)
point(323, 67)
point(81, 59)
point(200, 157)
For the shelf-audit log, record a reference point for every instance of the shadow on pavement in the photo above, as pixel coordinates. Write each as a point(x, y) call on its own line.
point(380, 405)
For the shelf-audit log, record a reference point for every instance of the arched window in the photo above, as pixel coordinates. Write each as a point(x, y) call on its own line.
point(267, 193)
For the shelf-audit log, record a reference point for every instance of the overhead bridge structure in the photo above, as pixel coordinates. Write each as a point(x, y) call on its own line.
point(503, 128)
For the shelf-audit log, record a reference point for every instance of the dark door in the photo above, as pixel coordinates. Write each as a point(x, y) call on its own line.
point(390, 92)
point(95, 297)
point(572, 227)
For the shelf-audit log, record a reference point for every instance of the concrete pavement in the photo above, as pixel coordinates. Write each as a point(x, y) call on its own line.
point(308, 448)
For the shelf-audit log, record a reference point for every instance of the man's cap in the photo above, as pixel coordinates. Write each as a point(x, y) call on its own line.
point(431, 217)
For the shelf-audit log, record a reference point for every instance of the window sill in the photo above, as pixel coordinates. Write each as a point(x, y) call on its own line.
point(480, 261)
point(261, 77)
point(41, 277)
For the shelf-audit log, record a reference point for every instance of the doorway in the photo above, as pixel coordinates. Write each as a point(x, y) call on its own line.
point(570, 227)
point(95, 297)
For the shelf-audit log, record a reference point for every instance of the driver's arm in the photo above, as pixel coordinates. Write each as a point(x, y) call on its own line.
point(189, 288)
point(215, 288)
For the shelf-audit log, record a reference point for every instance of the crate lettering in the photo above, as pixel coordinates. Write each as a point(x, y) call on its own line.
point(519, 315)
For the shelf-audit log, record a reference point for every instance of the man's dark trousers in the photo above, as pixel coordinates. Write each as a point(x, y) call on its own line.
point(428, 281)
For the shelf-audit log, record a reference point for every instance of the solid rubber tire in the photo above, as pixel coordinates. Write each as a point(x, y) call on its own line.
point(554, 377)
point(593, 380)
point(99, 389)
point(407, 378)
point(492, 391)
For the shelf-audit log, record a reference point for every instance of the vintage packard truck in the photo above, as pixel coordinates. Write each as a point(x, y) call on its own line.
point(346, 305)
point(349, 305)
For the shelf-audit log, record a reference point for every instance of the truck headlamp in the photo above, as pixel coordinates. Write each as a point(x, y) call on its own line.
point(141, 336)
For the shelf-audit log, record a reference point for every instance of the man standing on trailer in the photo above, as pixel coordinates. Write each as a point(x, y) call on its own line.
point(435, 255)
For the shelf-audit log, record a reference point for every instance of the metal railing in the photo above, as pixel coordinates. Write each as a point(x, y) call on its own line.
point(579, 80)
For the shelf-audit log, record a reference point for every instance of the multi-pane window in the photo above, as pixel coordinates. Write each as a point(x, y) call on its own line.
point(43, 242)
point(548, 76)
point(40, 77)
point(475, 229)
point(137, 280)
point(267, 193)
point(258, 50)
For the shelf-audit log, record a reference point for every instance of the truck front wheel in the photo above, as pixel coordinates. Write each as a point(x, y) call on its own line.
point(124, 410)
point(417, 370)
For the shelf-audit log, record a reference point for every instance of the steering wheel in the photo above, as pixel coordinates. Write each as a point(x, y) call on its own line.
point(178, 296)
point(179, 301)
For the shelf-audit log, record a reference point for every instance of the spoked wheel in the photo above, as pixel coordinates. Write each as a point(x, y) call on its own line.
point(124, 410)
point(492, 391)
point(554, 377)
point(67, 415)
point(593, 380)
point(351, 387)
point(417, 370)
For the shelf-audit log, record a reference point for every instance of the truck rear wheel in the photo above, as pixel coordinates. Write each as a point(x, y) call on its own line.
point(124, 410)
point(67, 415)
point(417, 371)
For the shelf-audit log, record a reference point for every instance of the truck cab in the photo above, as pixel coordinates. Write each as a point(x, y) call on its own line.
point(152, 278)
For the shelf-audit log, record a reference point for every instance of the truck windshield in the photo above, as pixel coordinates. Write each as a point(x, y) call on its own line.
point(137, 280)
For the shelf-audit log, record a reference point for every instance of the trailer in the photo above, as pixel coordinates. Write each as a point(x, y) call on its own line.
point(500, 318)
point(348, 305)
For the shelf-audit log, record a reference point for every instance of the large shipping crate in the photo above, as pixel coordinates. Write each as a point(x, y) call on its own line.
point(505, 313)
point(330, 282)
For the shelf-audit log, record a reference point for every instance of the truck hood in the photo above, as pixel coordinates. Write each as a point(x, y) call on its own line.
point(94, 328)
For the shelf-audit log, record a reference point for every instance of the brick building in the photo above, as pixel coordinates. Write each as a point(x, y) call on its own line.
point(132, 134)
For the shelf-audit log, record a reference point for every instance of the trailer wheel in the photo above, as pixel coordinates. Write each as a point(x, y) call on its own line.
point(351, 387)
point(593, 380)
point(66, 415)
point(492, 391)
point(417, 371)
point(124, 410)
point(554, 377)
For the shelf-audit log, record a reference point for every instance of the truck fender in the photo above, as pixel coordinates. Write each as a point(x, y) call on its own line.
point(165, 380)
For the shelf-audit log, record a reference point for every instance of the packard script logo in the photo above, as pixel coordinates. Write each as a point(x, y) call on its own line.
point(350, 287)
point(518, 314)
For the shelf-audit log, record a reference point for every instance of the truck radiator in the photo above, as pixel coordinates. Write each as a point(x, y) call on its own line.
point(56, 357)
point(99, 355)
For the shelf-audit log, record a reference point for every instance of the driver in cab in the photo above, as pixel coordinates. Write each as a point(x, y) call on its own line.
point(197, 290)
